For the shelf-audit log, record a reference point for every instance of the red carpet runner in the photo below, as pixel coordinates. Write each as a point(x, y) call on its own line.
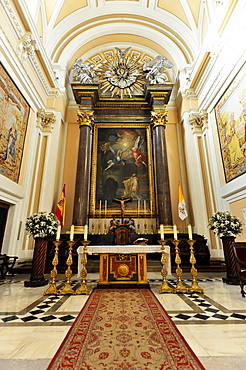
point(124, 329)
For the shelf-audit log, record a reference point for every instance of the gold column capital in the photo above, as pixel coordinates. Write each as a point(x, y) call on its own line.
point(158, 119)
point(85, 118)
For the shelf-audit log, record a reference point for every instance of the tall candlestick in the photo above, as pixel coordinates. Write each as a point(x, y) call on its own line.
point(175, 232)
point(71, 232)
point(85, 232)
point(162, 231)
point(190, 232)
point(58, 232)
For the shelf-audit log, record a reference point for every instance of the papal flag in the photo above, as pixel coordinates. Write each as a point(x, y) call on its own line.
point(181, 206)
point(61, 207)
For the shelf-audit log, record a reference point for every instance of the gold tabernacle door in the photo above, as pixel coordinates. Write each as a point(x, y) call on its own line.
point(123, 270)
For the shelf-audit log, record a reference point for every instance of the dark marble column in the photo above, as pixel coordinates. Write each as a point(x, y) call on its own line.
point(164, 211)
point(81, 198)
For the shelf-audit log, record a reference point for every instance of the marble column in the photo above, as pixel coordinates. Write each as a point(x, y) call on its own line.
point(81, 198)
point(164, 211)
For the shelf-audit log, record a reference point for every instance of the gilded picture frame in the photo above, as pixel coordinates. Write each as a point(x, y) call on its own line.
point(230, 114)
point(14, 112)
point(122, 167)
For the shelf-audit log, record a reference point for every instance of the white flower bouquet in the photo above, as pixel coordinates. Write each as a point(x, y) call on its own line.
point(42, 224)
point(225, 224)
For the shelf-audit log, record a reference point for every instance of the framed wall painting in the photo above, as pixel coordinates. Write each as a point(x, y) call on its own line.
point(122, 167)
point(14, 112)
point(230, 114)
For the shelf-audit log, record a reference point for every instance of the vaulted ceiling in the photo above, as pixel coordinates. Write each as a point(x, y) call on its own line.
point(71, 29)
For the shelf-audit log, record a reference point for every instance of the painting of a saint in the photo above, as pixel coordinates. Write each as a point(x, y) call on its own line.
point(121, 157)
point(231, 119)
point(13, 121)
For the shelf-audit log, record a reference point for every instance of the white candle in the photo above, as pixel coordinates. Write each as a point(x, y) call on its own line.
point(145, 206)
point(105, 207)
point(162, 231)
point(71, 232)
point(175, 232)
point(138, 206)
point(100, 208)
point(85, 232)
point(190, 232)
point(58, 232)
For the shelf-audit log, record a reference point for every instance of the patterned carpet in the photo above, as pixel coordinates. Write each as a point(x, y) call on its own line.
point(124, 329)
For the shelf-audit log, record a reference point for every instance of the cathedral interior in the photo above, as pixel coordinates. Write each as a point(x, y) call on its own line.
point(127, 120)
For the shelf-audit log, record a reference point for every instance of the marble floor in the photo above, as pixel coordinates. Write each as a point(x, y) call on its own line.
point(32, 326)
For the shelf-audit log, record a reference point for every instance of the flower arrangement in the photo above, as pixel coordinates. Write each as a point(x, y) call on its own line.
point(225, 224)
point(42, 224)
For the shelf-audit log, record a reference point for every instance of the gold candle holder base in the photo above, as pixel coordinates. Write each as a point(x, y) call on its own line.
point(83, 287)
point(194, 285)
point(53, 274)
point(180, 288)
point(67, 289)
point(165, 288)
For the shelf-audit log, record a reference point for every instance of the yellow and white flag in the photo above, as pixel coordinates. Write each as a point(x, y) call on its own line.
point(181, 206)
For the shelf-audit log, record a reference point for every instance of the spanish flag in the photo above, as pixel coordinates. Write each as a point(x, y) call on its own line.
point(181, 206)
point(61, 206)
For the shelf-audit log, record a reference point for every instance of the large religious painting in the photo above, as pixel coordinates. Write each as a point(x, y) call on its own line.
point(14, 112)
point(122, 169)
point(231, 120)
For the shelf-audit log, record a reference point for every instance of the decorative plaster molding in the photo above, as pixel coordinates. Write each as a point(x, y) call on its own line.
point(199, 120)
point(85, 118)
point(26, 47)
point(45, 121)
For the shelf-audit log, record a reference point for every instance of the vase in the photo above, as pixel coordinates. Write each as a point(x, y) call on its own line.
point(38, 263)
point(228, 243)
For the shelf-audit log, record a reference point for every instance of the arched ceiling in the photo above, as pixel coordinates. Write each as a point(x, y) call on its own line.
point(71, 29)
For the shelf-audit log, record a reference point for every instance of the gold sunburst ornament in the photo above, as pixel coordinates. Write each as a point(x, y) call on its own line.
point(121, 74)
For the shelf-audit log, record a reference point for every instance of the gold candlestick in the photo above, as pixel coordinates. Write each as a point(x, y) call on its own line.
point(67, 289)
point(180, 288)
point(83, 287)
point(53, 274)
point(165, 288)
point(193, 271)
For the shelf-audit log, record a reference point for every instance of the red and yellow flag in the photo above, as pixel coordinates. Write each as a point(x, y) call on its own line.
point(61, 206)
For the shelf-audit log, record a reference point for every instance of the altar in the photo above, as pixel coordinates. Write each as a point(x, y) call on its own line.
point(124, 265)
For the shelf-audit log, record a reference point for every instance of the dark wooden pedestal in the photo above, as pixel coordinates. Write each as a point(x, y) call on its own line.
point(230, 260)
point(38, 264)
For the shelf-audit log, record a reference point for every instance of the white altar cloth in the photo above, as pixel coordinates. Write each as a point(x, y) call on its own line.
point(125, 249)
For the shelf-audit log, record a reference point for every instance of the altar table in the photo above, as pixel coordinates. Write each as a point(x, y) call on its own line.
point(124, 264)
